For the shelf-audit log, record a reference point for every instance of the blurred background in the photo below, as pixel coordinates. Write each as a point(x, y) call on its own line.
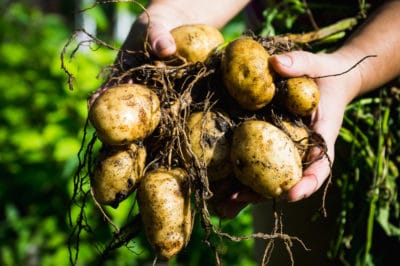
point(42, 122)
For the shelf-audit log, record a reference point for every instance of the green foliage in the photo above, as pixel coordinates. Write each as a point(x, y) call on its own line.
point(283, 12)
point(40, 132)
point(370, 182)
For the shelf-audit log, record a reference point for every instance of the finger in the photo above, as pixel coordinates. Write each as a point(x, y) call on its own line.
point(315, 174)
point(313, 178)
point(296, 63)
point(161, 41)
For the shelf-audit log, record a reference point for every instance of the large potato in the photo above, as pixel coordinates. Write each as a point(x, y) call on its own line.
point(125, 113)
point(195, 42)
point(164, 204)
point(265, 158)
point(208, 140)
point(301, 96)
point(246, 73)
point(117, 173)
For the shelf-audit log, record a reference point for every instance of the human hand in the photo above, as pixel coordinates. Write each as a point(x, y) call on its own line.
point(336, 91)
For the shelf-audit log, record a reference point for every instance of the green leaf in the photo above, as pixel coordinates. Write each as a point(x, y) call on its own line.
point(383, 218)
point(66, 148)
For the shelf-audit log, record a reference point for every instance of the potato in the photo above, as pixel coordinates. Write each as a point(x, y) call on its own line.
point(299, 135)
point(164, 204)
point(301, 96)
point(117, 173)
point(195, 42)
point(208, 140)
point(265, 158)
point(246, 73)
point(125, 113)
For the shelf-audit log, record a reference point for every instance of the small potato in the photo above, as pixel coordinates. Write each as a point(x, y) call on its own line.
point(301, 96)
point(246, 73)
point(164, 204)
point(208, 140)
point(125, 113)
point(117, 173)
point(265, 158)
point(299, 135)
point(195, 42)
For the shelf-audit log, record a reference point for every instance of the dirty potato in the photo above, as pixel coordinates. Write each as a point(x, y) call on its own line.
point(301, 96)
point(265, 158)
point(207, 134)
point(117, 173)
point(164, 204)
point(195, 42)
point(125, 113)
point(246, 73)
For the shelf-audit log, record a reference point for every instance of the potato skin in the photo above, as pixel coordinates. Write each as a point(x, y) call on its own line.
point(208, 140)
point(125, 113)
point(246, 73)
point(164, 204)
point(265, 158)
point(195, 42)
point(117, 173)
point(302, 96)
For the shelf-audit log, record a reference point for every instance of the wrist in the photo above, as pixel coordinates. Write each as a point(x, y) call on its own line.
point(349, 68)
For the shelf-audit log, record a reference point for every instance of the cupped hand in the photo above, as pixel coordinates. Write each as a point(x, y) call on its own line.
point(336, 91)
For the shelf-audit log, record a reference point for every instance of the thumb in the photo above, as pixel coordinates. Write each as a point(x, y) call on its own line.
point(161, 41)
point(296, 63)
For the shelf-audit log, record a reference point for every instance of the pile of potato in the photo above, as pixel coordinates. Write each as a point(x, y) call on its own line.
point(245, 125)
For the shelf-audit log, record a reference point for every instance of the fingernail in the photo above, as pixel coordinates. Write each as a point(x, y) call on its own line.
point(284, 60)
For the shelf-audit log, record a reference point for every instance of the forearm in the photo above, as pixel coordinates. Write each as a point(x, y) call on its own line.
point(379, 36)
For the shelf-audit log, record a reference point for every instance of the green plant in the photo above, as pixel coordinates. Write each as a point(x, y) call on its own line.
point(40, 130)
point(369, 185)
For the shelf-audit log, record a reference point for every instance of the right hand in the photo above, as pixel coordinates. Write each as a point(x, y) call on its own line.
point(153, 23)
